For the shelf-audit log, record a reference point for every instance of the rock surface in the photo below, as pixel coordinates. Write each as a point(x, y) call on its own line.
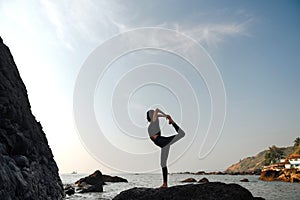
point(203, 180)
point(91, 183)
point(98, 177)
point(27, 169)
point(69, 190)
point(95, 182)
point(113, 179)
point(244, 180)
point(93, 179)
point(286, 175)
point(189, 180)
point(207, 191)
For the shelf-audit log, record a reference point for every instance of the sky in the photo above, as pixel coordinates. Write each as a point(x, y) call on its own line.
point(250, 50)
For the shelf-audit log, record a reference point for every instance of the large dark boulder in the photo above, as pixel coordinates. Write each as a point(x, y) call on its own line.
point(27, 168)
point(113, 179)
point(93, 179)
point(98, 177)
point(94, 188)
point(95, 182)
point(91, 183)
point(69, 190)
point(206, 191)
point(203, 180)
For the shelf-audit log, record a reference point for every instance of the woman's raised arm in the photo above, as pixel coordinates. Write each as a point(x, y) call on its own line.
point(156, 114)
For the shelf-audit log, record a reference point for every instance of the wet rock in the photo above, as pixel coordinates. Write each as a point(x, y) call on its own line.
point(286, 175)
point(200, 173)
point(94, 188)
point(98, 177)
point(91, 183)
point(189, 180)
point(269, 175)
point(22, 142)
point(113, 179)
point(69, 190)
point(244, 180)
point(93, 179)
point(203, 180)
point(95, 182)
point(295, 178)
point(208, 191)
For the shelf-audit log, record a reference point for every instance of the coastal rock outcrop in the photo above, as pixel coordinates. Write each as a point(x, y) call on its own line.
point(189, 180)
point(98, 177)
point(113, 179)
point(203, 180)
point(244, 180)
point(95, 182)
point(286, 175)
point(93, 188)
point(208, 191)
point(27, 167)
point(91, 183)
point(69, 190)
point(93, 179)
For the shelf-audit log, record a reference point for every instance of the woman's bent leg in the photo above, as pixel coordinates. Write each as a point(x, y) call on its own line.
point(180, 134)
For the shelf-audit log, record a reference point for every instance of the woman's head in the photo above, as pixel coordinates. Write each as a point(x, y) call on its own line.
point(150, 115)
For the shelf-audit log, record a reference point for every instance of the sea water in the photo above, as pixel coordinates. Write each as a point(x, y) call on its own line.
point(268, 190)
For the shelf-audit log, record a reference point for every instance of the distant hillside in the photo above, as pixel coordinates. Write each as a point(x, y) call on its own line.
point(255, 163)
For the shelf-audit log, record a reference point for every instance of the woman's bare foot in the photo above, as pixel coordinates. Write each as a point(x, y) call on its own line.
point(164, 185)
point(170, 119)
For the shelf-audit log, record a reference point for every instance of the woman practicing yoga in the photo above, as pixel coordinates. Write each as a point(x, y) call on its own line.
point(161, 141)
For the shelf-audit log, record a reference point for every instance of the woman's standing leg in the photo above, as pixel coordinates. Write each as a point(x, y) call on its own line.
point(165, 152)
point(163, 163)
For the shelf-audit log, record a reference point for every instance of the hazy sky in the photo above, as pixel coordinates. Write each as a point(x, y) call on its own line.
point(255, 45)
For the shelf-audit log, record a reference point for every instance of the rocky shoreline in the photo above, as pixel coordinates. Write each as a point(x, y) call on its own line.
point(256, 172)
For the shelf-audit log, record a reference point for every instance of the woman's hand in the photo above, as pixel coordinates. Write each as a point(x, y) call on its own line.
point(156, 114)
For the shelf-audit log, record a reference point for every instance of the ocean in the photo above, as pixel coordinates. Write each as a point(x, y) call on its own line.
point(268, 190)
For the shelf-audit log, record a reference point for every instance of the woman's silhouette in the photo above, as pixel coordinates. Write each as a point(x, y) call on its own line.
point(161, 141)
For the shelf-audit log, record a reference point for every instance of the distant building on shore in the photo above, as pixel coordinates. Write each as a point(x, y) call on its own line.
point(291, 162)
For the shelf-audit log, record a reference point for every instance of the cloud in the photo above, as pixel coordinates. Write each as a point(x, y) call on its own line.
point(214, 34)
point(87, 21)
point(55, 17)
point(94, 21)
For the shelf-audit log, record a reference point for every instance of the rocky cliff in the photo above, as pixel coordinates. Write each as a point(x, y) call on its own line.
point(249, 164)
point(27, 167)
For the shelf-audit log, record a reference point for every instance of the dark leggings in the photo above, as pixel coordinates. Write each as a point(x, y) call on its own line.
point(164, 143)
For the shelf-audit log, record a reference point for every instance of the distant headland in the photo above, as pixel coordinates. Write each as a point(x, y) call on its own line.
point(275, 163)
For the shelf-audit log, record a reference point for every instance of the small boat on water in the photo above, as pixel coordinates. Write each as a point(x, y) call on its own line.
point(74, 172)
